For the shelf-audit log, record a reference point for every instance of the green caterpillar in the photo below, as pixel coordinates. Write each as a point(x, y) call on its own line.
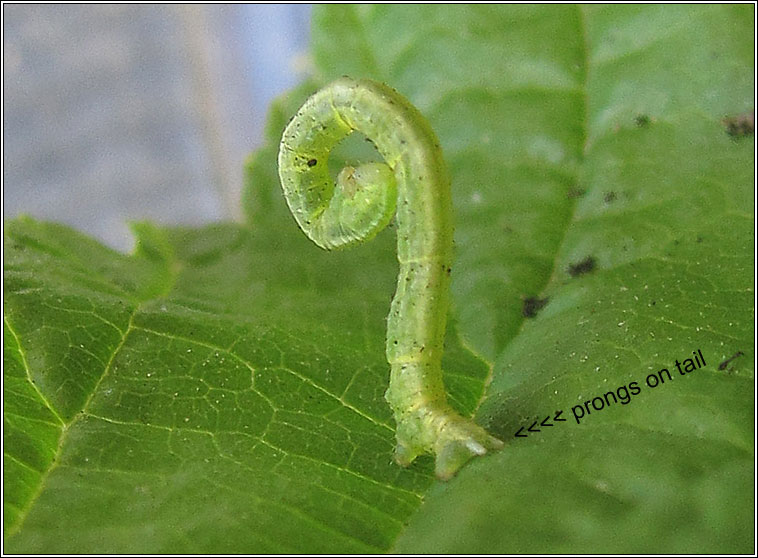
point(415, 183)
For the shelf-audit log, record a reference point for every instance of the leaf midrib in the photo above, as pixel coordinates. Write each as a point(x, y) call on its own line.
point(65, 427)
point(572, 201)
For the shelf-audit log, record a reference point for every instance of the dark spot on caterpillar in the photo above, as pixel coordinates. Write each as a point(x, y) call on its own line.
point(582, 267)
point(610, 197)
point(532, 305)
point(312, 162)
point(449, 270)
point(421, 350)
point(652, 303)
point(699, 239)
point(725, 363)
point(575, 193)
point(642, 120)
point(741, 125)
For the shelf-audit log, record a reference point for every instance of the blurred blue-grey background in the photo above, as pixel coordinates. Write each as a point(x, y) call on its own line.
point(116, 112)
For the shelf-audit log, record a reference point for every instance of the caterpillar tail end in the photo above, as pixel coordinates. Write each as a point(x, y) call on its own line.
point(458, 443)
point(453, 439)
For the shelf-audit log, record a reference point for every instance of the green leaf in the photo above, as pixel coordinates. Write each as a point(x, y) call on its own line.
point(217, 413)
point(221, 389)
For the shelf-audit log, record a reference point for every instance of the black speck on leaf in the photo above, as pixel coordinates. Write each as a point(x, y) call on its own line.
point(575, 193)
point(532, 305)
point(741, 125)
point(582, 267)
point(726, 362)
